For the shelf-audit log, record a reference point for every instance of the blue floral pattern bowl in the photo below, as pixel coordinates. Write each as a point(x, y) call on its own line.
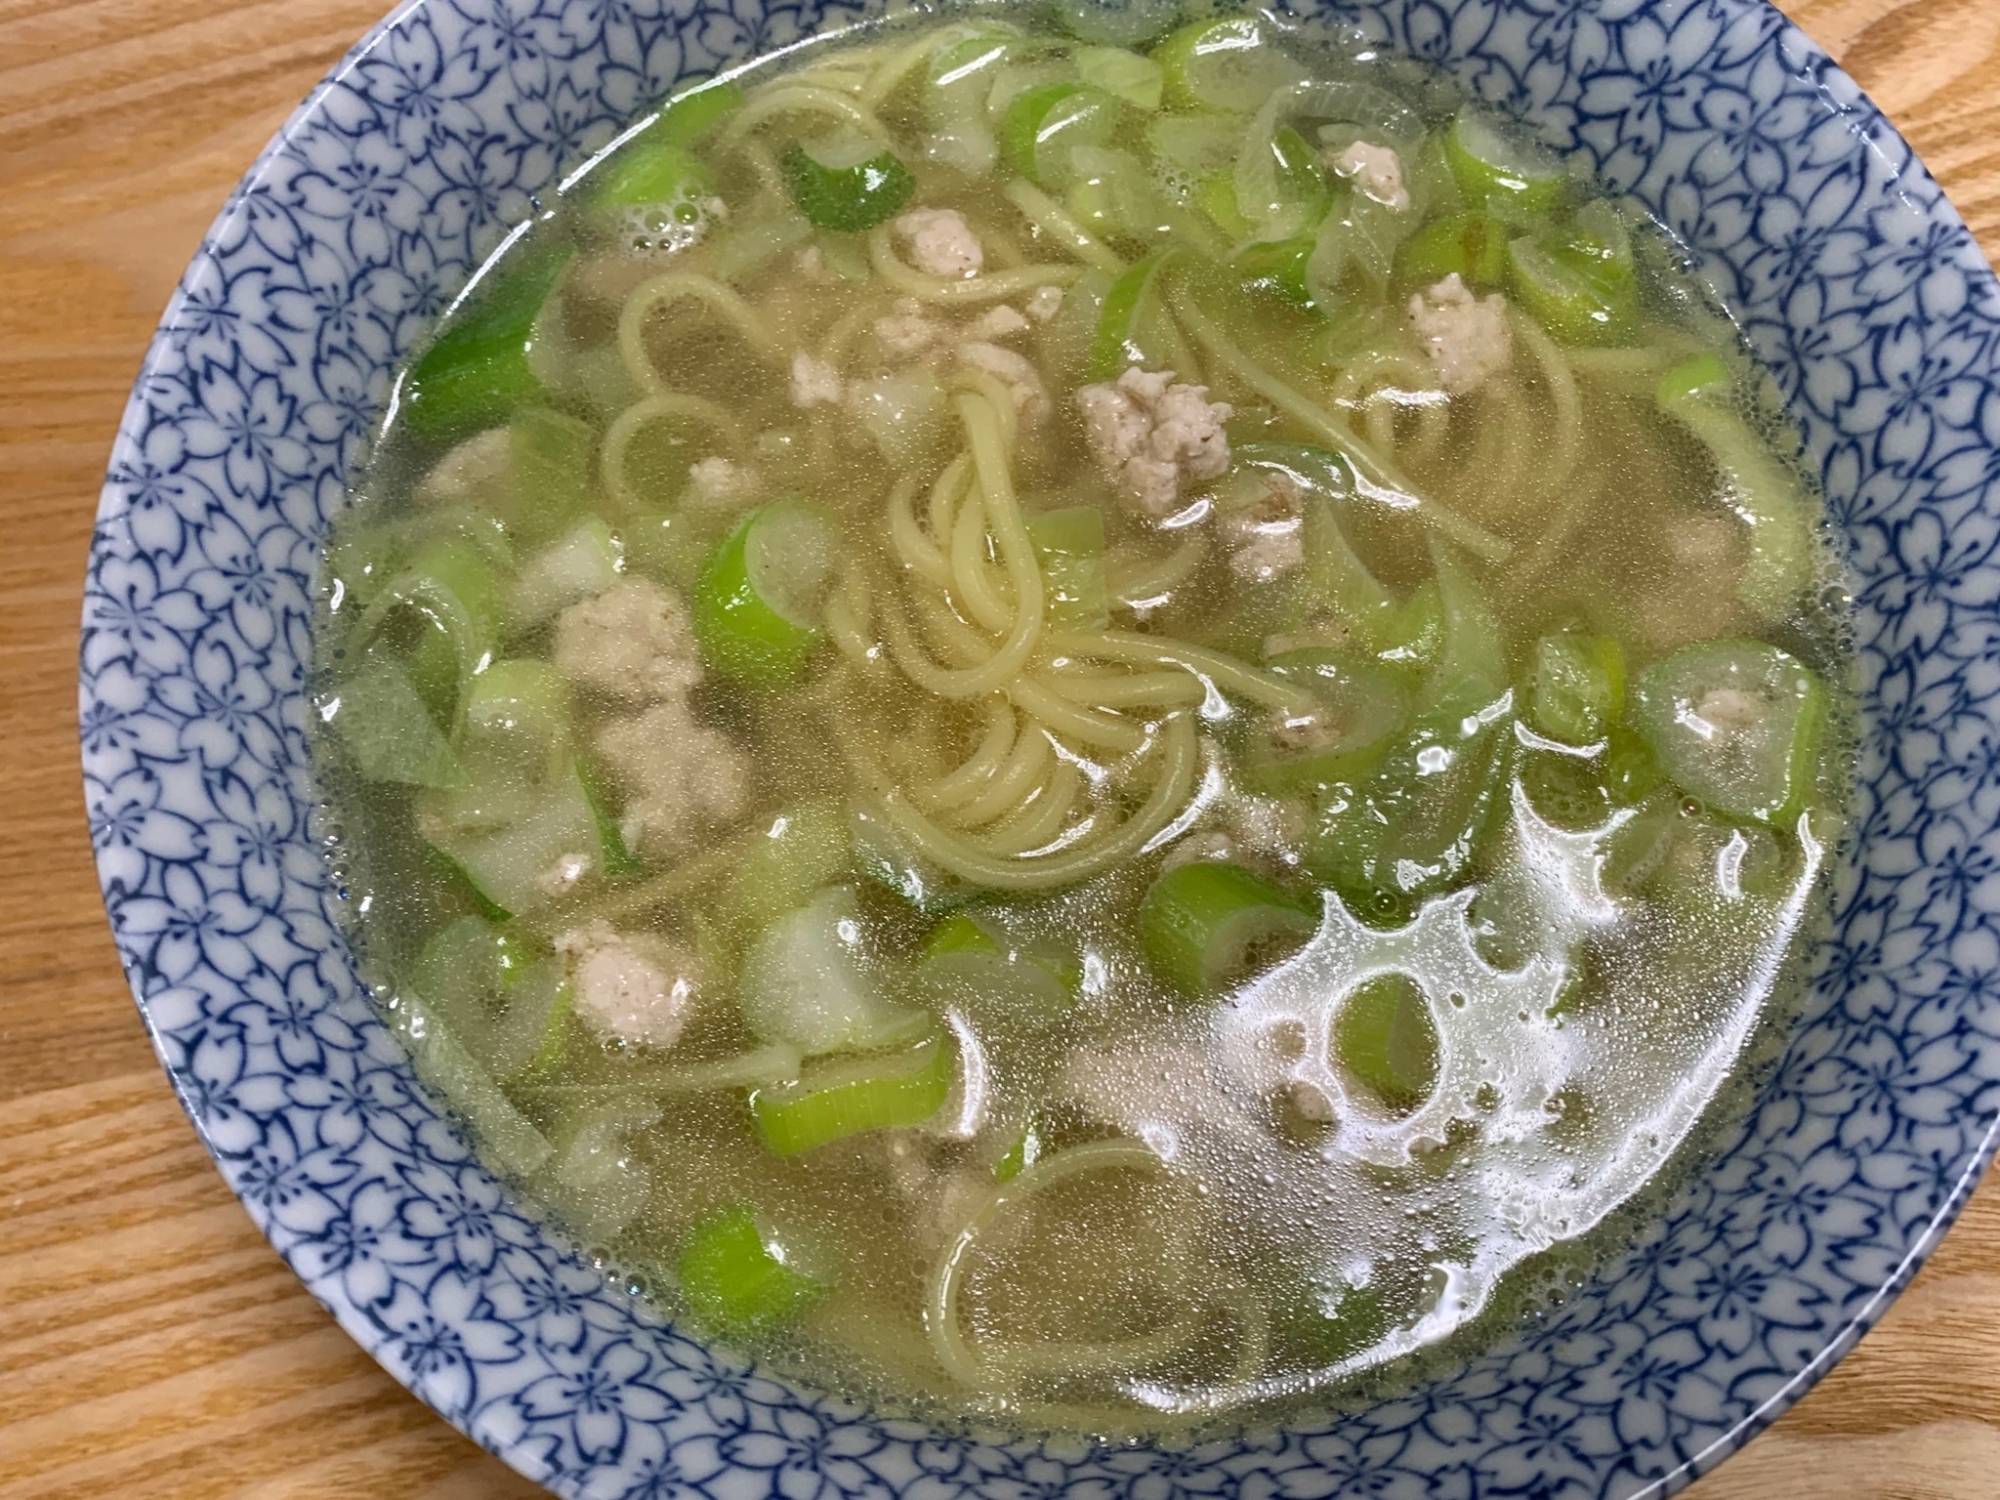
point(1860, 287)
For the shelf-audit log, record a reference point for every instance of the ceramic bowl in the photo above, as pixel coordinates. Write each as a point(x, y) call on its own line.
point(1861, 289)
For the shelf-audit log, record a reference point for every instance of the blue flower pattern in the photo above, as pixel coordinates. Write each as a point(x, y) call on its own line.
point(1853, 279)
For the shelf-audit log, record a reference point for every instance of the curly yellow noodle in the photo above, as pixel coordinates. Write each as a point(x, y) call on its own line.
point(834, 345)
point(1181, 763)
point(1074, 721)
point(682, 286)
point(1017, 552)
point(1039, 209)
point(1127, 689)
point(802, 99)
point(626, 426)
point(1026, 764)
point(991, 287)
point(1036, 823)
point(889, 74)
point(1376, 476)
point(969, 569)
point(1560, 462)
point(958, 640)
point(1227, 673)
point(945, 493)
point(941, 1317)
point(917, 551)
point(971, 776)
point(1141, 580)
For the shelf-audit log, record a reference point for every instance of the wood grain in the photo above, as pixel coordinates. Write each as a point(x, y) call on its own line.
point(151, 1345)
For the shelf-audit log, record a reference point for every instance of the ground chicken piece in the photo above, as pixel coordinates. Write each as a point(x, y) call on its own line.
point(1727, 712)
point(722, 483)
point(476, 472)
point(1269, 828)
point(561, 877)
point(1150, 436)
point(678, 775)
point(810, 263)
point(814, 381)
point(634, 987)
point(1468, 338)
point(1022, 379)
point(998, 322)
point(633, 641)
point(941, 242)
point(1045, 303)
point(908, 329)
point(1267, 538)
point(1377, 171)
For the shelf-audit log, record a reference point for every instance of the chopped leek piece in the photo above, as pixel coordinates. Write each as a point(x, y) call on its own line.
point(1124, 324)
point(530, 858)
point(510, 1140)
point(1755, 483)
point(808, 981)
point(1139, 81)
point(551, 471)
point(1736, 724)
point(802, 850)
point(1043, 124)
point(758, 604)
point(517, 711)
point(1576, 687)
point(1490, 165)
point(655, 172)
point(1472, 246)
point(1208, 925)
point(1031, 980)
point(1568, 791)
point(1387, 1041)
point(853, 1095)
point(961, 932)
point(1226, 64)
point(849, 184)
point(1568, 299)
point(582, 564)
point(1024, 1153)
point(737, 1279)
point(1069, 544)
point(1350, 713)
point(1277, 268)
point(477, 371)
point(388, 729)
point(691, 113)
point(1117, 23)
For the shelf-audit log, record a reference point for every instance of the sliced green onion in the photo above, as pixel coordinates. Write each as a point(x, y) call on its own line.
point(1045, 123)
point(477, 371)
point(1569, 791)
point(1208, 925)
point(1386, 1039)
point(739, 1280)
point(1472, 246)
point(388, 729)
point(1069, 544)
point(692, 112)
point(758, 606)
point(1227, 64)
point(1351, 712)
point(852, 1096)
point(849, 184)
point(1024, 1153)
point(961, 932)
point(1277, 268)
point(1736, 724)
point(1576, 687)
point(1489, 164)
point(1631, 770)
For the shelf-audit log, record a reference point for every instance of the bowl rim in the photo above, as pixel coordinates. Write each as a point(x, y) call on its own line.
point(1865, 122)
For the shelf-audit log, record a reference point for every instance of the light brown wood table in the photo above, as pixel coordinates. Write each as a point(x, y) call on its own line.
point(152, 1347)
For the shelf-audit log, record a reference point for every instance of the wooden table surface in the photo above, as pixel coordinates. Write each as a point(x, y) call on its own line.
point(151, 1344)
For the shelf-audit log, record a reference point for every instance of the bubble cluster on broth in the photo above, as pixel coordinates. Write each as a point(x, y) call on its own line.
point(1078, 727)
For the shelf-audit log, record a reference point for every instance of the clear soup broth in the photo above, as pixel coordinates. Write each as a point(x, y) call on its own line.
point(1083, 727)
